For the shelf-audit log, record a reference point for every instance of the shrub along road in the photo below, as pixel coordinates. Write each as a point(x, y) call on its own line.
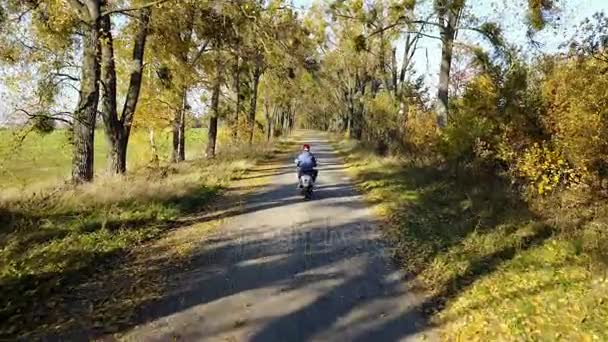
point(285, 269)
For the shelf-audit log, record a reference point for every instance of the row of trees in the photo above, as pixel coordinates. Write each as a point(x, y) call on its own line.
point(138, 63)
point(336, 66)
point(367, 34)
point(541, 122)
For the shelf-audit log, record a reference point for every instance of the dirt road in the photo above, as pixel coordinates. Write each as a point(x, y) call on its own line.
point(286, 269)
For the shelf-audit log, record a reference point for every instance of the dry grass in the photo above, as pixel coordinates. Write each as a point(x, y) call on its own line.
point(495, 266)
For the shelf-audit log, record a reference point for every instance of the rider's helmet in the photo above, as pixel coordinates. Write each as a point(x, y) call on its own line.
point(306, 147)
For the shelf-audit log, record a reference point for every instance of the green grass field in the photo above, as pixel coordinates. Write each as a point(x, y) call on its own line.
point(495, 269)
point(46, 159)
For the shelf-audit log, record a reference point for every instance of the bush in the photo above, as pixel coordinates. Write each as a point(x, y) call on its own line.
point(382, 121)
point(577, 118)
point(421, 134)
point(544, 168)
point(473, 121)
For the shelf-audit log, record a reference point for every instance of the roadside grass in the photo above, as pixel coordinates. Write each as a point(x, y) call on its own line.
point(44, 159)
point(494, 268)
point(86, 258)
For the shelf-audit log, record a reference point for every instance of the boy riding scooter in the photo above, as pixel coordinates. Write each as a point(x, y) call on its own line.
point(306, 164)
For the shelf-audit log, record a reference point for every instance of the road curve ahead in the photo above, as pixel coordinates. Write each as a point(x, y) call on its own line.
point(285, 269)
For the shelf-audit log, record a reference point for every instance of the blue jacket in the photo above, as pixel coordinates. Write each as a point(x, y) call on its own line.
point(306, 161)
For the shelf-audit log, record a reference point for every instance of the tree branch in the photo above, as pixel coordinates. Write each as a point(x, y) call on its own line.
point(133, 8)
point(404, 20)
point(55, 116)
point(26, 12)
point(200, 52)
point(70, 77)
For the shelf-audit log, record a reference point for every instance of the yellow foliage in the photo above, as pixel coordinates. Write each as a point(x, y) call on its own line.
point(544, 169)
point(577, 97)
point(421, 134)
point(481, 96)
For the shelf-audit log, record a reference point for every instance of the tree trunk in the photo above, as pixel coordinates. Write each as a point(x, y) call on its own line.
point(254, 100)
point(384, 76)
point(118, 129)
point(179, 131)
point(406, 59)
point(212, 133)
point(394, 78)
point(351, 114)
point(215, 107)
point(178, 153)
point(118, 156)
point(237, 90)
point(357, 108)
point(136, 76)
point(269, 129)
point(153, 146)
point(448, 34)
point(86, 112)
point(292, 120)
point(268, 121)
point(109, 115)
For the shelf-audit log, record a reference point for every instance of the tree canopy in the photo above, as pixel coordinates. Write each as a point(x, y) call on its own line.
point(252, 70)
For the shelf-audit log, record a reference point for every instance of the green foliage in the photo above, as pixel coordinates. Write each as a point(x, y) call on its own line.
point(493, 32)
point(463, 139)
point(473, 123)
point(382, 117)
point(43, 123)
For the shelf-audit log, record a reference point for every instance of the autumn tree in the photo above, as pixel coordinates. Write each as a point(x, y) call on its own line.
point(118, 128)
point(84, 27)
point(180, 40)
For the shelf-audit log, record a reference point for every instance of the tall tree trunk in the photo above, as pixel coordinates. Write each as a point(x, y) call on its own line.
point(285, 120)
point(357, 108)
point(215, 106)
point(118, 129)
point(254, 100)
point(179, 130)
point(136, 77)
point(212, 137)
point(112, 125)
point(351, 115)
point(384, 76)
point(292, 119)
point(153, 147)
point(448, 34)
point(237, 90)
point(178, 153)
point(86, 112)
point(268, 121)
point(212, 132)
point(406, 59)
point(394, 78)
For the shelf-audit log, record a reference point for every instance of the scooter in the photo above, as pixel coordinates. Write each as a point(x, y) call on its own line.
point(306, 186)
point(306, 181)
